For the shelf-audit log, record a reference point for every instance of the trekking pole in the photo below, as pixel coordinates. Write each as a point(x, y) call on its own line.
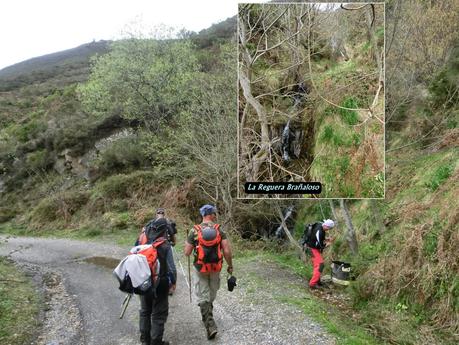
point(125, 304)
point(181, 267)
point(189, 275)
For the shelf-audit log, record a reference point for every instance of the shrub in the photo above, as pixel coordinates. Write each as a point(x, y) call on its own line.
point(28, 131)
point(327, 134)
point(6, 214)
point(117, 220)
point(123, 154)
point(439, 176)
point(125, 185)
point(58, 207)
point(39, 160)
point(350, 117)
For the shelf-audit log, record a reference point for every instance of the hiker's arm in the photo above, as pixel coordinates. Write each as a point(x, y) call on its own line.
point(228, 255)
point(188, 249)
point(328, 241)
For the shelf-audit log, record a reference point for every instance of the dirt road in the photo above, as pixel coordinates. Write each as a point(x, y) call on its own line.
point(82, 302)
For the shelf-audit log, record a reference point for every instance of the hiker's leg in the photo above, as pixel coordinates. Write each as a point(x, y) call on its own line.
point(202, 287)
point(159, 317)
point(214, 285)
point(146, 305)
point(317, 264)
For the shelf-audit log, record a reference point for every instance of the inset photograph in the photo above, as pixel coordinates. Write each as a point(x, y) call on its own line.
point(311, 100)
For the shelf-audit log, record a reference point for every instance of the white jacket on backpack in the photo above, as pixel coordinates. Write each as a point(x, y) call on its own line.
point(137, 268)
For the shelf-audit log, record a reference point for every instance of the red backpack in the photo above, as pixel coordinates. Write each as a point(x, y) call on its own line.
point(151, 253)
point(209, 257)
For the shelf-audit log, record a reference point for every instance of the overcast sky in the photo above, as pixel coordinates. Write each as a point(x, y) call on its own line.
point(30, 28)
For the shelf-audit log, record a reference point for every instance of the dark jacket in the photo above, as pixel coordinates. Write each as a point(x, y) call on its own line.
point(317, 238)
point(164, 250)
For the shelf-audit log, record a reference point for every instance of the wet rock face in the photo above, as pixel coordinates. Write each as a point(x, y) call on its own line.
point(287, 141)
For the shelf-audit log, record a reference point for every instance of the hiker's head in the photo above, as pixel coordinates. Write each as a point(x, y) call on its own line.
point(328, 224)
point(160, 212)
point(208, 211)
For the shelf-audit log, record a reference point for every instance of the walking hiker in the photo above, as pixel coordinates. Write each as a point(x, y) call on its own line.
point(154, 306)
point(314, 242)
point(210, 244)
point(171, 237)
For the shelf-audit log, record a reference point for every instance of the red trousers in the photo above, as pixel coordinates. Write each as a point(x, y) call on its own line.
point(317, 266)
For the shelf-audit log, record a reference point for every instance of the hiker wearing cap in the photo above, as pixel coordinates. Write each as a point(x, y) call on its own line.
point(154, 306)
point(171, 232)
point(314, 242)
point(210, 244)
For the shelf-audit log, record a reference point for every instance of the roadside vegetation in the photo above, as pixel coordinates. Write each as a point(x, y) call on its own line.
point(19, 306)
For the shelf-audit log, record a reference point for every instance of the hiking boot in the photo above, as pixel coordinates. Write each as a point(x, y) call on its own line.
point(159, 342)
point(211, 330)
point(172, 289)
point(145, 339)
point(323, 285)
point(208, 319)
point(314, 287)
point(211, 327)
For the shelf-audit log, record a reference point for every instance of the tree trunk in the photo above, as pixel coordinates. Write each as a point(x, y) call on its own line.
point(350, 233)
point(333, 211)
point(292, 240)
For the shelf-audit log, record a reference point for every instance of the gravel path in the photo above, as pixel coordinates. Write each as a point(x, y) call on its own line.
point(82, 302)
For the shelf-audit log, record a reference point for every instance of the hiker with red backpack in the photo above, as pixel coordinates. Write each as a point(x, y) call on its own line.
point(171, 237)
point(210, 245)
point(314, 242)
point(154, 306)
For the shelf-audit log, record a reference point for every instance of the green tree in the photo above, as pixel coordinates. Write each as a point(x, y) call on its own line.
point(142, 79)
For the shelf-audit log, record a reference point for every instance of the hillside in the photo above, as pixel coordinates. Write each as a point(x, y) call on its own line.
point(68, 63)
point(90, 152)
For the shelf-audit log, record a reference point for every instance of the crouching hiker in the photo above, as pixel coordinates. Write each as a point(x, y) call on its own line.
point(154, 306)
point(314, 242)
point(210, 244)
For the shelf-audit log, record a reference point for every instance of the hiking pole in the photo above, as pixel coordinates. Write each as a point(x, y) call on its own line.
point(181, 267)
point(189, 275)
point(125, 304)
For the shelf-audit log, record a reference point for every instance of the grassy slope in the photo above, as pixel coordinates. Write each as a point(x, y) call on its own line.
point(19, 306)
point(348, 157)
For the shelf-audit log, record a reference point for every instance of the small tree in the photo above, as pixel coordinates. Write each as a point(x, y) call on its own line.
point(141, 78)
